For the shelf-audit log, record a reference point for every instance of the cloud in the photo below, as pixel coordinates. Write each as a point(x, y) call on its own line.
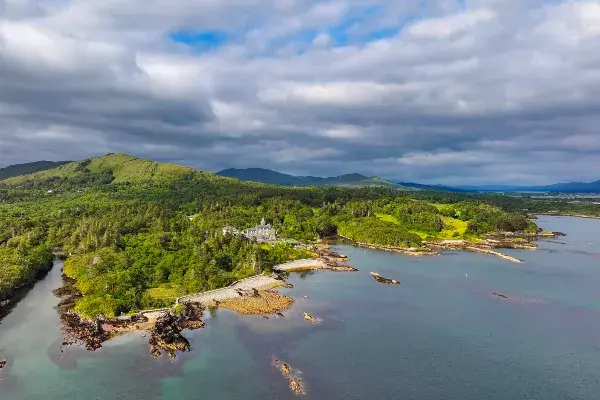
point(445, 27)
point(446, 91)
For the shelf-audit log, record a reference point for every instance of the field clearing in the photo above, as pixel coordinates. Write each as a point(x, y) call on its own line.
point(167, 293)
point(387, 218)
point(453, 227)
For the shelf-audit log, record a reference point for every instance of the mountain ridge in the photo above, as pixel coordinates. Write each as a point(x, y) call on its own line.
point(119, 167)
point(269, 176)
point(565, 187)
point(14, 170)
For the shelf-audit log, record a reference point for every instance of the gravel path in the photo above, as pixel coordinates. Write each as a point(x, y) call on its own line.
point(255, 282)
point(308, 262)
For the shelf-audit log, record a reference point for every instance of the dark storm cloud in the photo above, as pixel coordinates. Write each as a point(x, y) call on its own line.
point(443, 91)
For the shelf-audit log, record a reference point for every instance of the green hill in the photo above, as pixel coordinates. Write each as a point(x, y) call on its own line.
point(28, 168)
point(276, 178)
point(111, 168)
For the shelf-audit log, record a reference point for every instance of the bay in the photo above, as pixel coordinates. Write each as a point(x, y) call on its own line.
point(441, 334)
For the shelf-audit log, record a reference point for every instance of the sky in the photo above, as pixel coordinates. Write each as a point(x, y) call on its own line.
point(446, 91)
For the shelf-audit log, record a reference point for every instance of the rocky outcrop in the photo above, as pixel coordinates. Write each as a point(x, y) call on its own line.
point(166, 334)
point(91, 333)
point(329, 255)
point(386, 281)
point(336, 266)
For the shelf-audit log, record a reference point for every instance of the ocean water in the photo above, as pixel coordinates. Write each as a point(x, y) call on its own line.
point(441, 334)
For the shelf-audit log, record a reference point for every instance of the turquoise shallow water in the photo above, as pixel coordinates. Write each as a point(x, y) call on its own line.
point(439, 335)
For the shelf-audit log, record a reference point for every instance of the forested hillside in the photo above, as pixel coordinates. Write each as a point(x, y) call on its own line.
point(124, 224)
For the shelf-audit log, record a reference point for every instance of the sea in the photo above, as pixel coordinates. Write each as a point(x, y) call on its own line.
point(441, 334)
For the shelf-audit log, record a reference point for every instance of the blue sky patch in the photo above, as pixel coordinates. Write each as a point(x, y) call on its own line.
point(200, 40)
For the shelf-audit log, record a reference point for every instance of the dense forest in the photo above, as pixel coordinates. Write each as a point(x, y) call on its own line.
point(138, 233)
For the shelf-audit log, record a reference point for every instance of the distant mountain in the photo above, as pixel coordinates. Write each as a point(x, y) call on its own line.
point(569, 187)
point(29, 168)
point(276, 178)
point(438, 188)
point(572, 187)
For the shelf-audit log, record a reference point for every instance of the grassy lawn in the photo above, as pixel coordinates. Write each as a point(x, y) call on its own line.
point(452, 226)
point(387, 218)
point(394, 220)
point(167, 293)
point(422, 235)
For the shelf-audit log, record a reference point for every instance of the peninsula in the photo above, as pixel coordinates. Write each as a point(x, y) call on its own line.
point(138, 234)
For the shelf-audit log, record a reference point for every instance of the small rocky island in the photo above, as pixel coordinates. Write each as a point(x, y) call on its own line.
point(386, 281)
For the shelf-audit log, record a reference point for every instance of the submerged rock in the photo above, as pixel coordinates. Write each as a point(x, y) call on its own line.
point(296, 383)
point(2, 363)
point(310, 318)
point(297, 386)
point(500, 295)
point(386, 281)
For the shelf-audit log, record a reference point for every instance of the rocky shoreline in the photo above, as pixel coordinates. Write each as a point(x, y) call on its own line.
point(251, 296)
point(255, 295)
point(499, 240)
point(410, 251)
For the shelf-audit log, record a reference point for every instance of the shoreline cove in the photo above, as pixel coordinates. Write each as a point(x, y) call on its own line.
point(256, 295)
